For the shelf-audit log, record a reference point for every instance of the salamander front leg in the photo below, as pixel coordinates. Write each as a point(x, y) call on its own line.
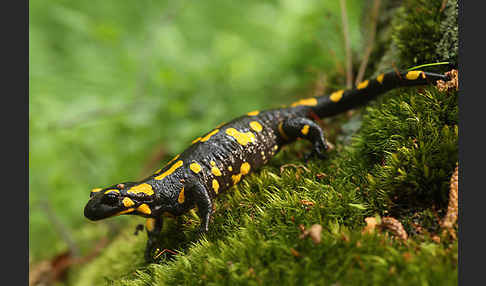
point(197, 192)
point(153, 226)
point(301, 127)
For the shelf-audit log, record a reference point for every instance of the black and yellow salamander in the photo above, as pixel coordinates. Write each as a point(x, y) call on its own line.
point(222, 157)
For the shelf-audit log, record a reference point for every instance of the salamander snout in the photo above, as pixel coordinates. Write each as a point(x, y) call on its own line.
point(102, 205)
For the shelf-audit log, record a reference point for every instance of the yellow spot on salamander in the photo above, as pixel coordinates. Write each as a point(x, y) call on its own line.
point(127, 202)
point(144, 208)
point(212, 163)
point(380, 78)
point(236, 178)
point(206, 138)
point(215, 186)
point(255, 125)
point(142, 188)
point(150, 224)
point(196, 140)
point(305, 129)
point(253, 113)
point(230, 168)
point(173, 159)
point(245, 168)
point(242, 138)
point(125, 211)
point(95, 190)
point(280, 130)
point(412, 75)
point(215, 171)
point(195, 167)
point(112, 190)
point(363, 84)
point(170, 170)
point(181, 197)
point(221, 124)
point(305, 102)
point(336, 96)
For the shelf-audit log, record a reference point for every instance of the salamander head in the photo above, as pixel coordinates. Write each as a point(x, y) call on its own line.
point(124, 198)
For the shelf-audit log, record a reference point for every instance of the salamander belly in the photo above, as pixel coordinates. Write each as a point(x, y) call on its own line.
point(222, 157)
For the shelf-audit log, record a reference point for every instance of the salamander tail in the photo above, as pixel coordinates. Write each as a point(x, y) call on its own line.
point(343, 100)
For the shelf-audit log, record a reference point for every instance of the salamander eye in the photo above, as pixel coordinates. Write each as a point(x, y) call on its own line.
point(110, 199)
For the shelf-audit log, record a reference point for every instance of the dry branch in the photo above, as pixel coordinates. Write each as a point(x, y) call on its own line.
point(371, 41)
point(347, 44)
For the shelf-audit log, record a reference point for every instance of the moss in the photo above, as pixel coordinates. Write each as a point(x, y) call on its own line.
point(448, 46)
point(411, 142)
point(399, 164)
point(417, 30)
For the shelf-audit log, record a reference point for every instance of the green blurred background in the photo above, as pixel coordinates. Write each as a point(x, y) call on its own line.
point(119, 87)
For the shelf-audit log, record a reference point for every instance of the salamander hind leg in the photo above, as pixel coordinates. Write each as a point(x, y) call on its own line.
point(301, 127)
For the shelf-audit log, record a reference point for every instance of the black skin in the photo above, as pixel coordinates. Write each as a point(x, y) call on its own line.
point(234, 155)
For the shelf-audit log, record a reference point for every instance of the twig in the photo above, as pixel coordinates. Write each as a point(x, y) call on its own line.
point(164, 251)
point(390, 223)
point(60, 227)
point(428, 65)
point(48, 272)
point(371, 41)
point(451, 216)
point(349, 60)
point(396, 70)
point(395, 226)
point(282, 168)
point(443, 6)
point(451, 84)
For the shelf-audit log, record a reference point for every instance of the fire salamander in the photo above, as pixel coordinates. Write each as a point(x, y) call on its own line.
point(220, 158)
